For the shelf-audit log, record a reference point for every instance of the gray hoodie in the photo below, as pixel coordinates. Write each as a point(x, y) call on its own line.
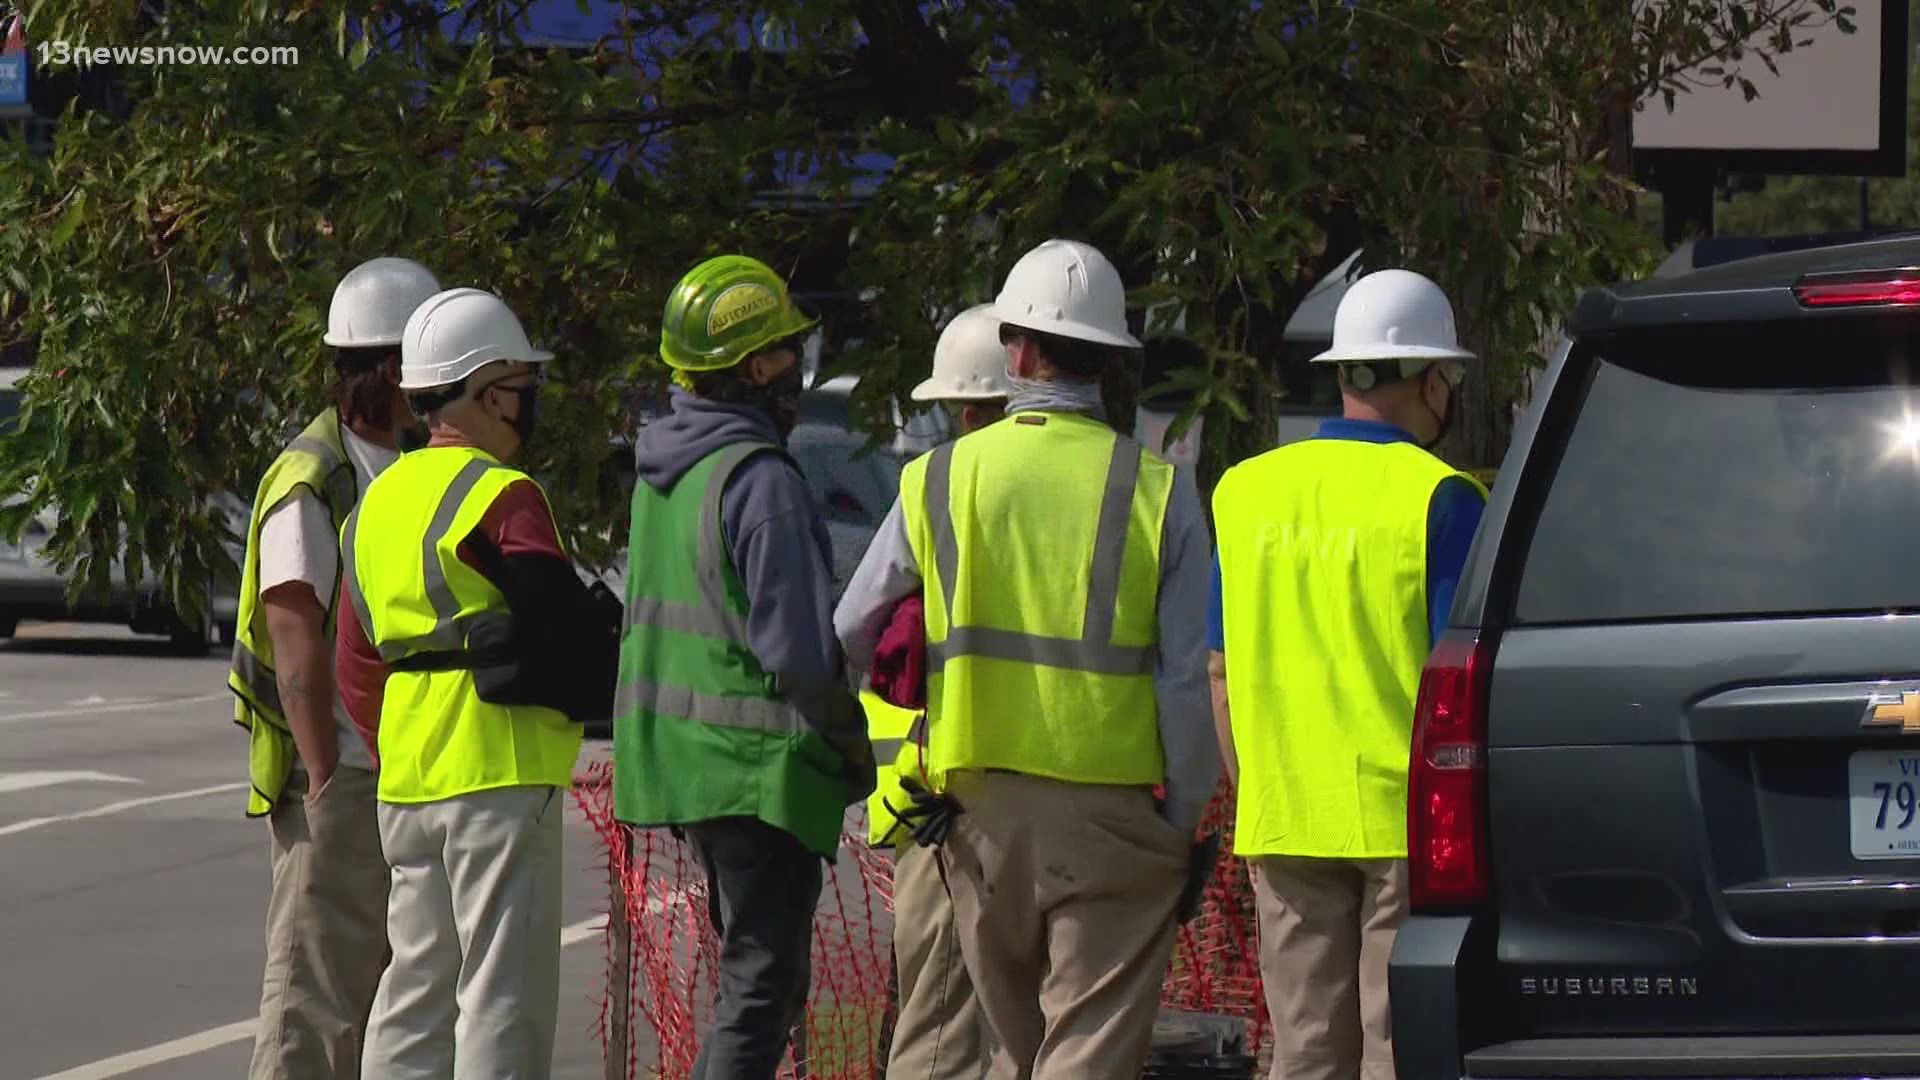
point(780, 548)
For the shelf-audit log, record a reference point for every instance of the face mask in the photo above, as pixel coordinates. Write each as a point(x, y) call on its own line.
point(411, 437)
point(780, 399)
point(1445, 418)
point(524, 421)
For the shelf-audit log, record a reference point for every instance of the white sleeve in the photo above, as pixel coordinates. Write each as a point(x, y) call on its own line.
point(297, 543)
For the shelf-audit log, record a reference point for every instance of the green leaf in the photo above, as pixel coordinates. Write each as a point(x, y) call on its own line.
point(69, 221)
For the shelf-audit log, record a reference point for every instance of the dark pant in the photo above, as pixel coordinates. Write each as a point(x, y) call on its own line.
point(762, 886)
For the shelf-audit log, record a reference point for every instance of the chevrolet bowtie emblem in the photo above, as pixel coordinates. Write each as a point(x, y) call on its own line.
point(1894, 710)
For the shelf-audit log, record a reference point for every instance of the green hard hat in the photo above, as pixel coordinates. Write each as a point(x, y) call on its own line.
point(725, 310)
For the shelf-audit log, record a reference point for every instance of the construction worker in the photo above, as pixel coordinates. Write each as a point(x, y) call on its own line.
point(937, 1034)
point(1064, 568)
point(1338, 557)
point(442, 661)
point(735, 723)
point(312, 774)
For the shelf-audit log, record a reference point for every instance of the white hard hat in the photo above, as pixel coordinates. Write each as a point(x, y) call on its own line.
point(458, 332)
point(969, 363)
point(371, 304)
point(1394, 315)
point(1067, 288)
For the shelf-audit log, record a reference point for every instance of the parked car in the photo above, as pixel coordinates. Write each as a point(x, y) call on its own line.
point(33, 587)
point(1663, 786)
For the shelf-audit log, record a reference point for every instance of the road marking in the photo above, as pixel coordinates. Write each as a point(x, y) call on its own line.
point(123, 1064)
point(26, 781)
point(240, 1030)
point(583, 930)
point(97, 710)
point(117, 808)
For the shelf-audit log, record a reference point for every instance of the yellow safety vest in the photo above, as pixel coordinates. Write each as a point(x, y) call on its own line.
point(891, 730)
point(413, 593)
point(1323, 572)
point(1039, 540)
point(315, 463)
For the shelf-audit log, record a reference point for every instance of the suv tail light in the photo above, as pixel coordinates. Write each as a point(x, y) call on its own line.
point(1447, 778)
point(1875, 288)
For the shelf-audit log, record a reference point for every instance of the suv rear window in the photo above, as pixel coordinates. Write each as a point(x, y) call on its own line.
point(1758, 469)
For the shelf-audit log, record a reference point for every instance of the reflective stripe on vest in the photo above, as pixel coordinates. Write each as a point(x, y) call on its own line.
point(437, 738)
point(317, 462)
point(450, 632)
point(1323, 565)
point(1043, 536)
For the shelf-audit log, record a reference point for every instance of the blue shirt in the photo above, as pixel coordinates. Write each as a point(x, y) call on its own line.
point(1452, 518)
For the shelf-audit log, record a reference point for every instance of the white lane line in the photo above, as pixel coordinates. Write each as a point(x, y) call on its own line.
point(123, 1064)
point(215, 1038)
point(117, 808)
point(98, 710)
point(27, 781)
point(583, 930)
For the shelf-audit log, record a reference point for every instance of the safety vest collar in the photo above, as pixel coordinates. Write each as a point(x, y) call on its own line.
point(1093, 651)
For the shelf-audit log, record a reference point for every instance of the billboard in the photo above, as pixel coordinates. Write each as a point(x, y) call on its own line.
point(1836, 105)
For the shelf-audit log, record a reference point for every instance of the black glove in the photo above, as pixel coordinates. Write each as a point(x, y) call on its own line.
point(1199, 871)
point(929, 817)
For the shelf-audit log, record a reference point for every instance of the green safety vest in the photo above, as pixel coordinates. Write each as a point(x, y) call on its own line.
point(1043, 537)
point(315, 463)
point(413, 593)
point(1323, 573)
point(898, 750)
point(700, 730)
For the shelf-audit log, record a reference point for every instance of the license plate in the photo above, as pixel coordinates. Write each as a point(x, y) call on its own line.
point(1884, 804)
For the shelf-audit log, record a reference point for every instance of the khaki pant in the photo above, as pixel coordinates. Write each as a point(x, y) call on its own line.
point(940, 1032)
point(326, 930)
point(1326, 931)
point(1064, 895)
point(473, 992)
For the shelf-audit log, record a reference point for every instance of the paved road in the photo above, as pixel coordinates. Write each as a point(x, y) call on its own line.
point(132, 889)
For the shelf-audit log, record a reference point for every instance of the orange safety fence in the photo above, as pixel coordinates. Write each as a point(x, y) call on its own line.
point(662, 956)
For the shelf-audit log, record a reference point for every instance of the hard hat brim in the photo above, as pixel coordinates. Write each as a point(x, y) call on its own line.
point(461, 369)
point(358, 343)
point(1396, 352)
point(697, 363)
point(1067, 328)
point(930, 390)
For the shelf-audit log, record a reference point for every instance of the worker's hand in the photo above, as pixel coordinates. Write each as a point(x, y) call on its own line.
point(862, 778)
point(858, 752)
point(929, 817)
point(1199, 871)
point(319, 781)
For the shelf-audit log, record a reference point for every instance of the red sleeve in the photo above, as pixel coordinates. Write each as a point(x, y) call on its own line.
point(519, 523)
point(358, 673)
